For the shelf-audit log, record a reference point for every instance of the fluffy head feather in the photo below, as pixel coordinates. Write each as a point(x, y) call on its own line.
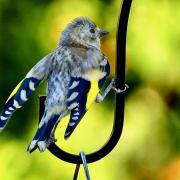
point(82, 32)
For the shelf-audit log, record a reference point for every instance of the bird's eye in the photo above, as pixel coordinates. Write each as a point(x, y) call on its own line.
point(92, 31)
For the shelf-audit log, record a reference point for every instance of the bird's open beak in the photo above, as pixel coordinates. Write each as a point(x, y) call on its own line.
point(103, 32)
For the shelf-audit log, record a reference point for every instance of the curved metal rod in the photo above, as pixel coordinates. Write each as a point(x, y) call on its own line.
point(119, 110)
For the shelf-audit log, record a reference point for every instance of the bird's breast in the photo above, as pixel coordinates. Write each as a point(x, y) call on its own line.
point(94, 75)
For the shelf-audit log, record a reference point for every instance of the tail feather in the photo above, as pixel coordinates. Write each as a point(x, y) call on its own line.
point(44, 136)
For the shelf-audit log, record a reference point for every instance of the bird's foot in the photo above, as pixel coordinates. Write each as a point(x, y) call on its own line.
point(52, 139)
point(111, 86)
point(118, 91)
point(101, 97)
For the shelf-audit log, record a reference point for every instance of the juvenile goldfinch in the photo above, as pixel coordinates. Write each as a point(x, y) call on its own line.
point(73, 69)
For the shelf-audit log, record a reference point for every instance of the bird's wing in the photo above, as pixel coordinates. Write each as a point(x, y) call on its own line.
point(82, 93)
point(76, 102)
point(22, 91)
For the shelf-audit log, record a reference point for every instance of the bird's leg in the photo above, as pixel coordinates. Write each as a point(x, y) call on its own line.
point(52, 136)
point(111, 86)
point(52, 139)
point(100, 97)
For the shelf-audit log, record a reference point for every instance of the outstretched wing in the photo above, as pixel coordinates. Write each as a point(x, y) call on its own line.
point(82, 93)
point(22, 91)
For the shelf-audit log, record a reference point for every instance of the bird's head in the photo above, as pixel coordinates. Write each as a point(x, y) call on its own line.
point(82, 32)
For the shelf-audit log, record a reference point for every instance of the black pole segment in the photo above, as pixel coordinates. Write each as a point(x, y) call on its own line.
point(76, 172)
point(119, 108)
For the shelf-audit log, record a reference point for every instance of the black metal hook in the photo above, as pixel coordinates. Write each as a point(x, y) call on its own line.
point(76, 171)
point(119, 107)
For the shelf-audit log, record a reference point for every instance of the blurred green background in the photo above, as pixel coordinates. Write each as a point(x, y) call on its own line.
point(149, 148)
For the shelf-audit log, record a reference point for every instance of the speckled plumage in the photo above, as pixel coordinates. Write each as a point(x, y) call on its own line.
point(72, 63)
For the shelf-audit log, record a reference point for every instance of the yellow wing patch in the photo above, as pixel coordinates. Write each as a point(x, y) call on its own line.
point(14, 91)
point(94, 89)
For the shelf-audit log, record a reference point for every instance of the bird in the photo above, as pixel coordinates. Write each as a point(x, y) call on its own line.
point(74, 71)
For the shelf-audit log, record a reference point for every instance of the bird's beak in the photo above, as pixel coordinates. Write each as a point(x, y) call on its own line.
point(103, 32)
